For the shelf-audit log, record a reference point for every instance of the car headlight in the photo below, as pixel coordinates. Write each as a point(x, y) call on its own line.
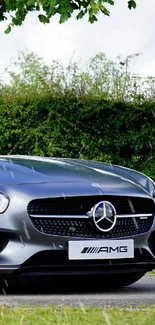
point(4, 202)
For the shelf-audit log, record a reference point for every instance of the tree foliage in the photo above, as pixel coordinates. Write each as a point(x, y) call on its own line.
point(18, 9)
point(29, 76)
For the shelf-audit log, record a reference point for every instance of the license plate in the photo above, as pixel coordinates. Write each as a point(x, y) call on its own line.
point(100, 249)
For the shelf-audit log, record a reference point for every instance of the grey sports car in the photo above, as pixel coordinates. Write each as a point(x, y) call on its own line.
point(75, 217)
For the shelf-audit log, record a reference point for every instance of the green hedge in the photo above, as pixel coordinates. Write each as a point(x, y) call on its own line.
point(117, 132)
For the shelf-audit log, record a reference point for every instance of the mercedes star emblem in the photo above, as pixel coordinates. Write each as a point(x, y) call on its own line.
point(104, 216)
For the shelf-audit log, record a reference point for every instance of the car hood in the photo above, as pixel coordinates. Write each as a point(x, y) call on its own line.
point(69, 174)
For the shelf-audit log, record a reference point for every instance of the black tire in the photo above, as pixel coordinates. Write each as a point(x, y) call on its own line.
point(87, 283)
point(11, 283)
point(115, 281)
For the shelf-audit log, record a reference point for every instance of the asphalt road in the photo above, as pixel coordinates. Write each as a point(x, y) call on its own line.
point(140, 293)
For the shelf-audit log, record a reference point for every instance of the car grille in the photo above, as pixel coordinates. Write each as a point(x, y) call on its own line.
point(80, 205)
point(66, 216)
point(85, 229)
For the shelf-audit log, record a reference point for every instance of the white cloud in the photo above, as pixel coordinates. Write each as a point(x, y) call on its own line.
point(124, 32)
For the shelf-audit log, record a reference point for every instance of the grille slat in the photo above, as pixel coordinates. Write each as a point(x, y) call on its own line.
point(85, 228)
point(81, 204)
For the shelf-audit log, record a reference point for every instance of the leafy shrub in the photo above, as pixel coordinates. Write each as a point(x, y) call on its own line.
point(80, 127)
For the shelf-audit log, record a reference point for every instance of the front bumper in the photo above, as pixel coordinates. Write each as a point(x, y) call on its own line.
point(52, 258)
point(24, 243)
point(57, 263)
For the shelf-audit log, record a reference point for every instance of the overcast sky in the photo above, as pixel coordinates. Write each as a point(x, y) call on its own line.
point(123, 33)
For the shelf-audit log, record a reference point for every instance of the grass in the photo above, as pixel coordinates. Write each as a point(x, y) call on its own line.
point(76, 316)
point(151, 272)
